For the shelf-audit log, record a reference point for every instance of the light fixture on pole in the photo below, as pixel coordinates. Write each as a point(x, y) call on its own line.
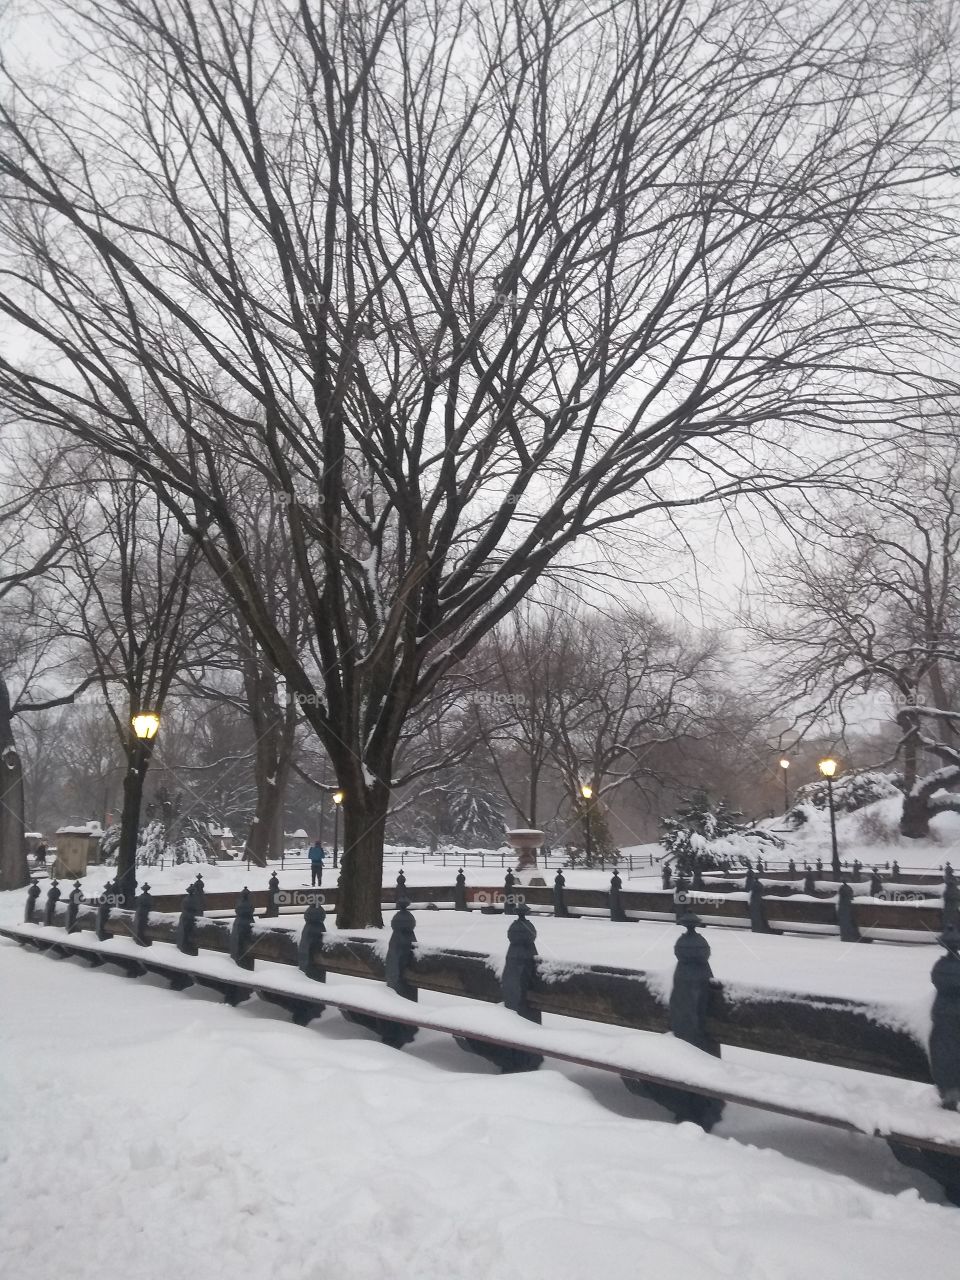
point(828, 768)
point(145, 725)
point(587, 792)
point(785, 766)
point(337, 802)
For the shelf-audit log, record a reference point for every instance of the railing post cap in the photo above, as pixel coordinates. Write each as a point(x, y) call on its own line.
point(521, 929)
point(690, 945)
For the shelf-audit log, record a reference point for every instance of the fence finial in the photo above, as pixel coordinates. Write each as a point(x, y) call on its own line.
point(241, 931)
point(50, 906)
point(311, 937)
point(141, 917)
point(33, 893)
point(945, 1030)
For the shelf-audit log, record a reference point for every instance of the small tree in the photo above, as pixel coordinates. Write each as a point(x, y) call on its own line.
point(474, 817)
point(702, 835)
point(170, 834)
point(591, 820)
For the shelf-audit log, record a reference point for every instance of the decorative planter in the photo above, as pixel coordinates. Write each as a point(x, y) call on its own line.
point(527, 841)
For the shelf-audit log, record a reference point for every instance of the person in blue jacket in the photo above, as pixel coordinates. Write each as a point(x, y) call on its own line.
point(316, 853)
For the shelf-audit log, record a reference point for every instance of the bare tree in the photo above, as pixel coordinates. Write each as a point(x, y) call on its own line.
point(32, 548)
point(492, 277)
point(870, 605)
point(127, 600)
point(234, 669)
point(590, 697)
point(521, 676)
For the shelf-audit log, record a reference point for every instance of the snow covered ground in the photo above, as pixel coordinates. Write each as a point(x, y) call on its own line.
point(872, 835)
point(152, 1133)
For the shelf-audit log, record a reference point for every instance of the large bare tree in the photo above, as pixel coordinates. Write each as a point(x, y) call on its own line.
point(468, 283)
point(868, 606)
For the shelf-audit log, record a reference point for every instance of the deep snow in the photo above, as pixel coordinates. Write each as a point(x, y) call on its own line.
point(152, 1133)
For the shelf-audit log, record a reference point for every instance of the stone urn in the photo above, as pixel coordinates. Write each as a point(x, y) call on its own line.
point(527, 841)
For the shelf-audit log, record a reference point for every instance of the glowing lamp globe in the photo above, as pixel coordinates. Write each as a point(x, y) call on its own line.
point(146, 724)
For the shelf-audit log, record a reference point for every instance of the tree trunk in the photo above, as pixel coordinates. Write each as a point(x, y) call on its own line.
point(915, 816)
point(14, 871)
point(277, 843)
point(264, 819)
point(361, 867)
point(274, 751)
point(531, 816)
point(437, 806)
point(911, 754)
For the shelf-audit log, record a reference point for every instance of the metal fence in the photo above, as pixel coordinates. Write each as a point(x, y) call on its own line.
point(494, 858)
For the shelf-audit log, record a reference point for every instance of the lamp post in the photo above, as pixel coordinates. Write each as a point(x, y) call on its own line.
point(828, 768)
point(785, 765)
point(145, 725)
point(337, 802)
point(587, 792)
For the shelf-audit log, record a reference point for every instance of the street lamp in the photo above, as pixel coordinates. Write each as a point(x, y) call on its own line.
point(337, 802)
point(785, 765)
point(145, 725)
point(587, 792)
point(828, 767)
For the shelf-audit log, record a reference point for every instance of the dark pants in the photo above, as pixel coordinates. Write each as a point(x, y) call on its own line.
point(316, 873)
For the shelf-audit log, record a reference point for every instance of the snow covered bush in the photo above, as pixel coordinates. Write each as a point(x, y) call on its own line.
point(704, 835)
point(474, 816)
point(168, 835)
point(851, 791)
point(878, 826)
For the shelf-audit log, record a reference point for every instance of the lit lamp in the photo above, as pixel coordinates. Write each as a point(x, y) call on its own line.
point(828, 768)
point(337, 802)
point(145, 726)
point(587, 792)
point(785, 766)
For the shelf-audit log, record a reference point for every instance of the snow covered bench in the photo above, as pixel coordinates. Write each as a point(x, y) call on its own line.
point(688, 1078)
point(825, 909)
